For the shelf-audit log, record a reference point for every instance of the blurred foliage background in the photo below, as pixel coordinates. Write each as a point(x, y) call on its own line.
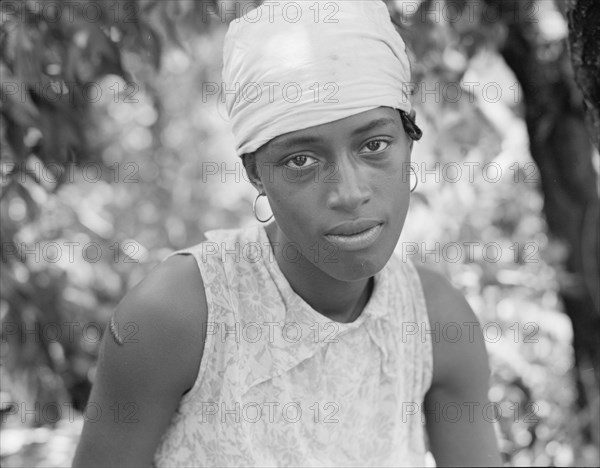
point(114, 154)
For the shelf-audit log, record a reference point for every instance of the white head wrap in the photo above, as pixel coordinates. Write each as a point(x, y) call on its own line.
point(292, 65)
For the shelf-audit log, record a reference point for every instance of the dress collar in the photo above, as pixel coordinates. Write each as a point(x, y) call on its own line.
point(274, 355)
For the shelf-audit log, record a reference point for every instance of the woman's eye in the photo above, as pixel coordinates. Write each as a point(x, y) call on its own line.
point(300, 161)
point(375, 146)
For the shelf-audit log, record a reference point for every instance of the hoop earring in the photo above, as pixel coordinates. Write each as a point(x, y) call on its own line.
point(254, 209)
point(416, 179)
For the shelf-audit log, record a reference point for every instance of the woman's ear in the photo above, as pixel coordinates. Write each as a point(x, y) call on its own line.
point(249, 161)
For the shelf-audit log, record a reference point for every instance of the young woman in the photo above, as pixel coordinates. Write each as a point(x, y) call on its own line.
point(304, 341)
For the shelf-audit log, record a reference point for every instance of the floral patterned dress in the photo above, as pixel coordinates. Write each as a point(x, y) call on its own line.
point(281, 385)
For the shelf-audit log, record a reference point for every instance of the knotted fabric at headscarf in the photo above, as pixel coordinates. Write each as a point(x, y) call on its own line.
point(292, 65)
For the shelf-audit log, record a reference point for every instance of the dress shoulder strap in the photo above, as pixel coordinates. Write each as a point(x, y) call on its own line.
point(415, 326)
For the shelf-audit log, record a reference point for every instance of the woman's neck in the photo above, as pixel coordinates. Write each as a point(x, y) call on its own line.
point(340, 301)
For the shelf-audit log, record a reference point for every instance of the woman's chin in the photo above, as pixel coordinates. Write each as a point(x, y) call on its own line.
point(355, 267)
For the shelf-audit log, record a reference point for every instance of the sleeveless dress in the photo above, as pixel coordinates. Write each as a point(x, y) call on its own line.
point(279, 384)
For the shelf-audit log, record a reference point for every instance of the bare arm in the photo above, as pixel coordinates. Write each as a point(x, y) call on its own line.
point(459, 423)
point(138, 385)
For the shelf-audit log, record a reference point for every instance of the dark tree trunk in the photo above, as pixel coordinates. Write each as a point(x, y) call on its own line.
point(562, 149)
point(584, 41)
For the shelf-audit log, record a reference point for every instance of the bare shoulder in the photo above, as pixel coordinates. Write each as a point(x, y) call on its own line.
point(445, 303)
point(458, 347)
point(145, 370)
point(167, 311)
point(460, 378)
point(173, 285)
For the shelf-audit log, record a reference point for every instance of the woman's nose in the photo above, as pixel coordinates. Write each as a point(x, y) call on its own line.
point(347, 187)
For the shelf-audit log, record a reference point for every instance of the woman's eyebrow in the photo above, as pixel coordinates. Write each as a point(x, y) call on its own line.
point(374, 124)
point(286, 142)
point(291, 141)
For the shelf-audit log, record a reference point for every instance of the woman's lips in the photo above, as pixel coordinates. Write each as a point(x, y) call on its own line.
point(356, 226)
point(357, 241)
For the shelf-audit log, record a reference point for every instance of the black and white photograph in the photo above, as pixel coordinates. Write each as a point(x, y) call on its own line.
point(310, 233)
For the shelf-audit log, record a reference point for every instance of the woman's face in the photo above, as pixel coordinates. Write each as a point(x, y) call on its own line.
point(340, 191)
